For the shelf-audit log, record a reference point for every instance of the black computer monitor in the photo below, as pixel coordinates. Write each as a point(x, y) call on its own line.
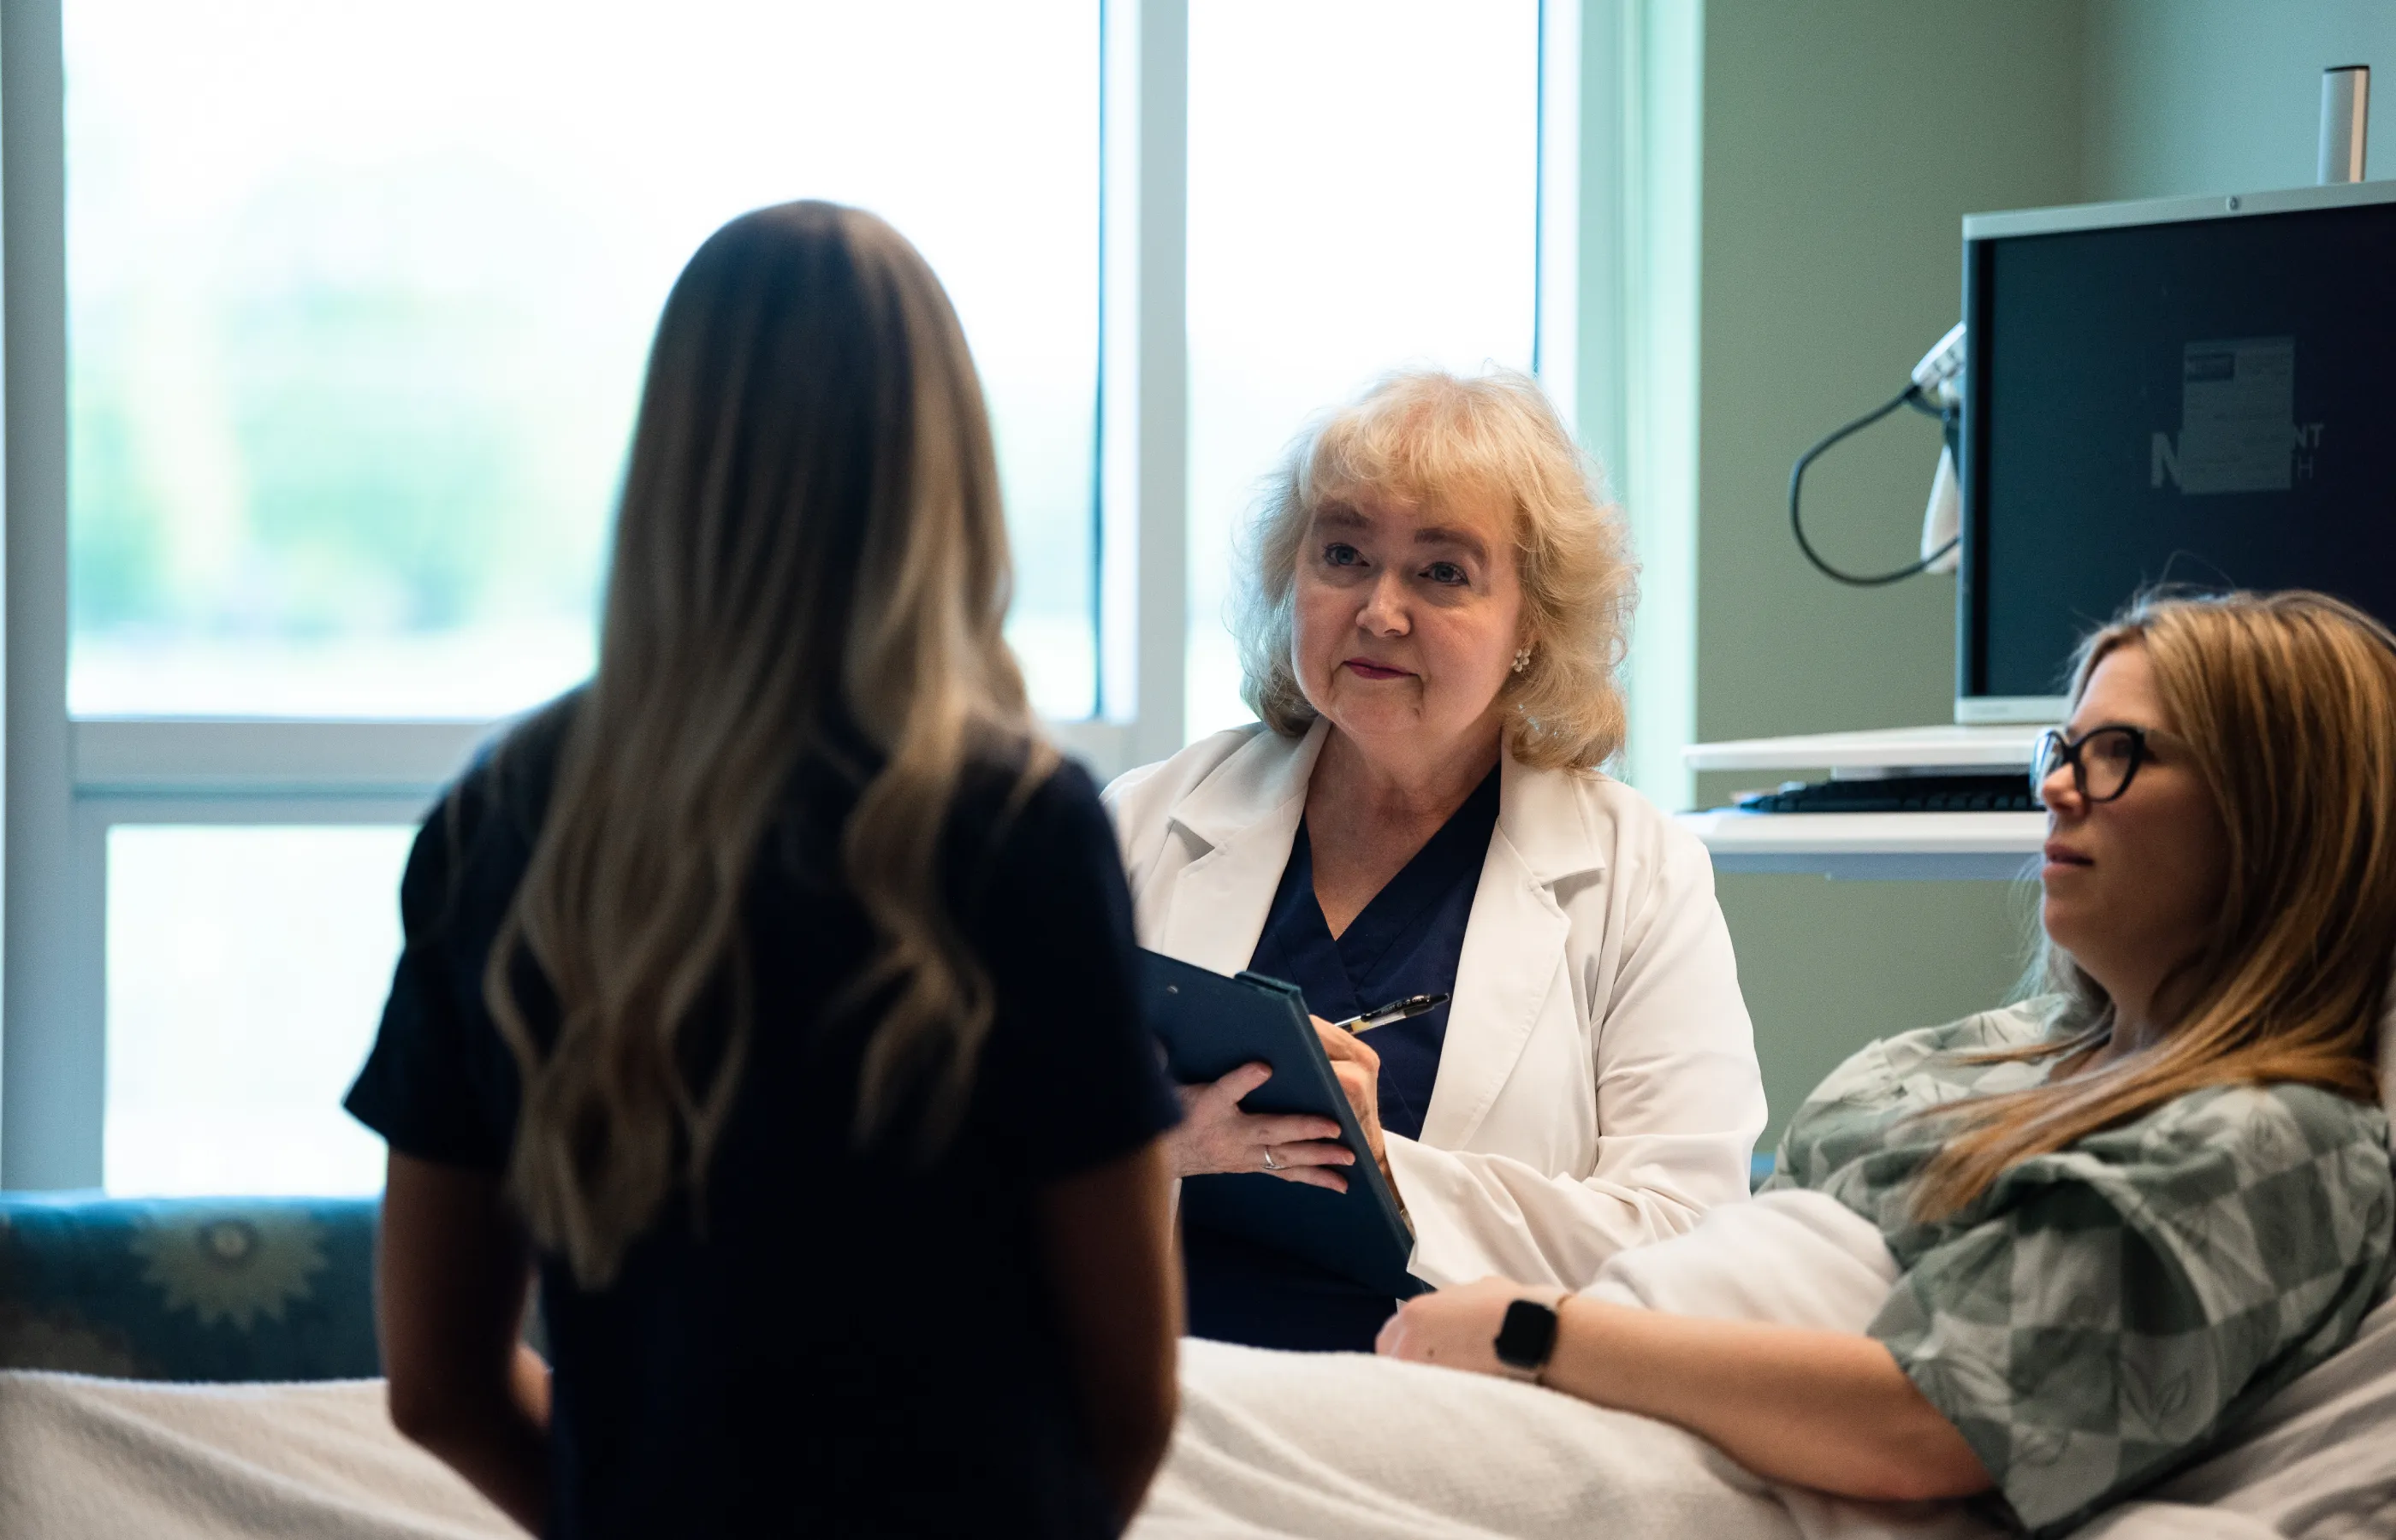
point(2191, 390)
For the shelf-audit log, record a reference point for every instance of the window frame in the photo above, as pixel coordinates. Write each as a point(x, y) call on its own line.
point(68, 780)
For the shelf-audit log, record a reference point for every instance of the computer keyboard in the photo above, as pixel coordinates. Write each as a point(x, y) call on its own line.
point(2006, 793)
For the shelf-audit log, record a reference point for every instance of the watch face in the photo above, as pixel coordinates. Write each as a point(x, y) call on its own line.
point(1527, 1336)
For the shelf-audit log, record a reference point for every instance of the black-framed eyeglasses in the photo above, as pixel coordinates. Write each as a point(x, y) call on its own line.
point(2103, 761)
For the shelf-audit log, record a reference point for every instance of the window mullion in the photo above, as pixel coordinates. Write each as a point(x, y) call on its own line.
point(51, 1057)
point(1161, 373)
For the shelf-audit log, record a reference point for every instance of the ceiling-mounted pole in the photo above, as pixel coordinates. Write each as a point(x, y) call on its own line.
point(2345, 122)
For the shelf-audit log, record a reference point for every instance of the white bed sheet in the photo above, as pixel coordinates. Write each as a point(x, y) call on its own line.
point(1332, 1447)
point(2318, 1461)
point(102, 1459)
point(1324, 1446)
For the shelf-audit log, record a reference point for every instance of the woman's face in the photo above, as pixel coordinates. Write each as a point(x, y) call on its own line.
point(2131, 884)
point(1407, 618)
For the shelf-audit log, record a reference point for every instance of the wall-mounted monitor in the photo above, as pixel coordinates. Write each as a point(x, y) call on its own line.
point(2199, 391)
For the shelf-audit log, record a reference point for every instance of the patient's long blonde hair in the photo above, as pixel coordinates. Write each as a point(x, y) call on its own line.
point(2287, 702)
point(810, 545)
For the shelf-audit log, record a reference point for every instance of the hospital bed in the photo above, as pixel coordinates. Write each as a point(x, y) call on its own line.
point(272, 1424)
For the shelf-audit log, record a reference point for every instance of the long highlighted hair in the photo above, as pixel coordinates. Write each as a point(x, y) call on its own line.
point(2287, 702)
point(809, 551)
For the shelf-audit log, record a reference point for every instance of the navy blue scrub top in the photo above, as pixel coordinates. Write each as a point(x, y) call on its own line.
point(1406, 942)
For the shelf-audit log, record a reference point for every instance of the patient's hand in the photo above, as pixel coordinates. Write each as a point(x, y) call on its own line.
point(1456, 1328)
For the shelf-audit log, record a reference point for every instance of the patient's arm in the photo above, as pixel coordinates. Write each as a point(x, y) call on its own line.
point(1829, 1410)
point(452, 1276)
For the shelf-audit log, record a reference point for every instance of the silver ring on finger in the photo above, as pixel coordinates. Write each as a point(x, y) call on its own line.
point(1271, 1164)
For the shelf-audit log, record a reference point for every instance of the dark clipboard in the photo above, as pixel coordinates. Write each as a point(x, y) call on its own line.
point(1210, 1025)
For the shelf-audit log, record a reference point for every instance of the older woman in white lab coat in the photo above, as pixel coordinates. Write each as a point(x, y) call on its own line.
point(1433, 612)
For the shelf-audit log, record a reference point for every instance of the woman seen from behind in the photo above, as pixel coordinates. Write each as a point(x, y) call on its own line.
point(772, 994)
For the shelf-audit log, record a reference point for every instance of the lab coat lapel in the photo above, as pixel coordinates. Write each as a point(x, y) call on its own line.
point(1247, 812)
point(1514, 956)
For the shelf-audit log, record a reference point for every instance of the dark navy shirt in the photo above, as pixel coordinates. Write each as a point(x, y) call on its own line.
point(1406, 942)
point(856, 1341)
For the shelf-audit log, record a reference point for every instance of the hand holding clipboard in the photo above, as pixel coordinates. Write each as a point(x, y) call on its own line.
point(1221, 1131)
point(1210, 1025)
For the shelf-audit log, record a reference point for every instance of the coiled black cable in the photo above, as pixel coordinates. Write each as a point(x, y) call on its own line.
point(1911, 396)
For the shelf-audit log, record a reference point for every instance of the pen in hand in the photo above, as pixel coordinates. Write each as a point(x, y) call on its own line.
point(1396, 1010)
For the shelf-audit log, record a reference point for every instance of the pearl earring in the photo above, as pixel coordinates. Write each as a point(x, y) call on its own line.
point(1522, 659)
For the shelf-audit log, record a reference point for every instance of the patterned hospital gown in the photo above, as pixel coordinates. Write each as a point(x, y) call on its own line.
point(2096, 1317)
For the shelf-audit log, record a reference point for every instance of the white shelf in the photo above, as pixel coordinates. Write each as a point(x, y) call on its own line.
point(1873, 846)
point(1945, 747)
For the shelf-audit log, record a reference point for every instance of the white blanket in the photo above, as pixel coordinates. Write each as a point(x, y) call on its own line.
point(1331, 1446)
point(1349, 1447)
point(95, 1459)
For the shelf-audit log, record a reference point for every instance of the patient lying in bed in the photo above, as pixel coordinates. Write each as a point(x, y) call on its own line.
point(2107, 1225)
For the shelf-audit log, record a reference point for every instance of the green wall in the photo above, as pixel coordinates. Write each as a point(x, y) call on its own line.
point(2224, 96)
point(1844, 142)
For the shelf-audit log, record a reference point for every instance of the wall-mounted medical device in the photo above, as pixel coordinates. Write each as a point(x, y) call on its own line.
point(1936, 388)
point(2190, 392)
point(2187, 391)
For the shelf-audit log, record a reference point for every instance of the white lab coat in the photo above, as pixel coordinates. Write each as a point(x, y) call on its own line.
point(1598, 1087)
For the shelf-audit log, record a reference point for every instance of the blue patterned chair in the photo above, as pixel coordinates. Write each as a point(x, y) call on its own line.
point(188, 1288)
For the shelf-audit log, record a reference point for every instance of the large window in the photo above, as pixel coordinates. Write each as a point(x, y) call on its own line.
point(359, 294)
point(350, 303)
point(354, 350)
point(1364, 195)
point(245, 973)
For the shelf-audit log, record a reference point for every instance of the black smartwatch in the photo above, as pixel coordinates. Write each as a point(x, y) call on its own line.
point(1527, 1337)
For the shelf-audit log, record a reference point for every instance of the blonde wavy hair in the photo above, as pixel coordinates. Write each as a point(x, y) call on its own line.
point(1430, 438)
point(2287, 702)
point(809, 551)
